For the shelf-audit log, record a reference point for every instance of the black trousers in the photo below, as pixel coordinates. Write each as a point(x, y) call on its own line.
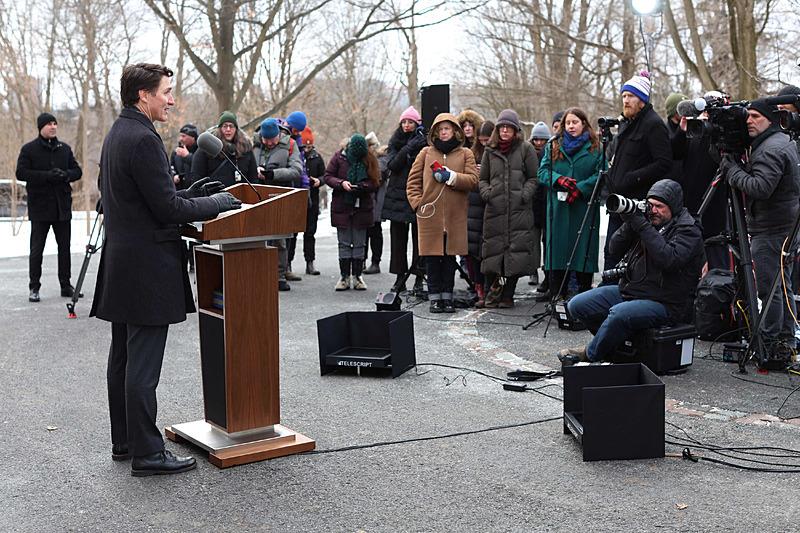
point(39, 231)
point(441, 271)
point(375, 241)
point(309, 236)
point(398, 242)
point(134, 368)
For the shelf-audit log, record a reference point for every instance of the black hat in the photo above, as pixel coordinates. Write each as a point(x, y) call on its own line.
point(557, 117)
point(190, 130)
point(789, 89)
point(768, 110)
point(44, 119)
point(669, 192)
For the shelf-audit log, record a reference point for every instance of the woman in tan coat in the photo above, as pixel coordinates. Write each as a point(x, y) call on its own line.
point(438, 185)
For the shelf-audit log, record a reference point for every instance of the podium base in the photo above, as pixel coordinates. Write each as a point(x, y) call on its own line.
point(232, 449)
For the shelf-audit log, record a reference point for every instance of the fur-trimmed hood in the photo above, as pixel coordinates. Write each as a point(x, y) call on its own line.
point(469, 115)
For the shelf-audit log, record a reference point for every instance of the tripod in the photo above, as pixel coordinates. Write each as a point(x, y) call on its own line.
point(739, 245)
point(91, 248)
point(592, 205)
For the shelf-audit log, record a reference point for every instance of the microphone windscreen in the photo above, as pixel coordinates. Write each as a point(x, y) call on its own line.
point(209, 144)
point(688, 108)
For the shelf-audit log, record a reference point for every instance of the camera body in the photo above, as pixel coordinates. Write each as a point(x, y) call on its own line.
point(726, 126)
point(790, 122)
point(607, 122)
point(620, 205)
point(612, 275)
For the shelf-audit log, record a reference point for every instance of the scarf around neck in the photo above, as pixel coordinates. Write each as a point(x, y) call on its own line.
point(446, 146)
point(505, 146)
point(571, 144)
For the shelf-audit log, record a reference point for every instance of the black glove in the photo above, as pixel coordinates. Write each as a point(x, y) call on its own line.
point(268, 174)
point(417, 142)
point(636, 220)
point(204, 187)
point(58, 175)
point(226, 201)
point(727, 163)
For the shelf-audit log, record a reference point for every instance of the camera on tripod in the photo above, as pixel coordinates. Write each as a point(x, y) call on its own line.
point(790, 122)
point(607, 122)
point(726, 125)
point(620, 205)
point(613, 275)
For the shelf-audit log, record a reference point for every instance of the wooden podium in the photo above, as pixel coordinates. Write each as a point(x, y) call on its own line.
point(239, 344)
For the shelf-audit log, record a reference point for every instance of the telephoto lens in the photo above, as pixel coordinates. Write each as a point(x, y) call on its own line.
point(616, 203)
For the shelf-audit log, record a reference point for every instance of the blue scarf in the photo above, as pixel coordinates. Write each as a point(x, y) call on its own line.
point(571, 144)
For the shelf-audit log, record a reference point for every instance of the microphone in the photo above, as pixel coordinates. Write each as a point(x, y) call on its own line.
point(691, 108)
point(211, 145)
point(782, 100)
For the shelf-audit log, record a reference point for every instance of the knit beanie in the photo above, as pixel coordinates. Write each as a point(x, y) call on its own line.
point(557, 117)
point(638, 85)
point(307, 136)
point(269, 128)
point(508, 117)
point(768, 110)
point(411, 114)
point(44, 119)
point(227, 116)
point(671, 103)
point(297, 120)
point(789, 89)
point(540, 131)
point(190, 130)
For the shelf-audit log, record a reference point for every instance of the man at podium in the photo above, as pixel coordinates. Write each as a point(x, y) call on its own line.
point(142, 282)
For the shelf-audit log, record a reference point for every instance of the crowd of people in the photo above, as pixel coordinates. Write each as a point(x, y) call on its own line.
point(467, 190)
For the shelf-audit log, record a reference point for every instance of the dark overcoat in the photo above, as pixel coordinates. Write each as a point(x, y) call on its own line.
point(142, 277)
point(346, 213)
point(507, 185)
point(403, 150)
point(49, 200)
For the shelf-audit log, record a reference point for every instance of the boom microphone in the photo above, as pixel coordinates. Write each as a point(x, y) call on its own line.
point(211, 145)
point(782, 100)
point(691, 108)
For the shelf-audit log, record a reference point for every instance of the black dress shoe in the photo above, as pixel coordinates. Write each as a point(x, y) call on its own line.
point(437, 306)
point(34, 296)
point(120, 453)
point(283, 285)
point(161, 463)
point(69, 291)
point(448, 307)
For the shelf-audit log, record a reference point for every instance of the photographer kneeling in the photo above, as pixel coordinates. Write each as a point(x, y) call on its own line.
point(663, 254)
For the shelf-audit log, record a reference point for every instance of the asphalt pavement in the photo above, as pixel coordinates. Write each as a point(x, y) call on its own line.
point(58, 474)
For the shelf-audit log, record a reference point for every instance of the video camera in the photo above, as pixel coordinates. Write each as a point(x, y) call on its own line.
point(726, 125)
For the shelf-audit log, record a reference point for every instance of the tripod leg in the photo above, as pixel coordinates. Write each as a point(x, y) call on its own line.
point(91, 248)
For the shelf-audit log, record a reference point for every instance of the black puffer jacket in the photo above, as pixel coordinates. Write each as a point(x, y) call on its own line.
point(475, 224)
point(771, 182)
point(403, 149)
point(664, 264)
point(640, 155)
point(49, 198)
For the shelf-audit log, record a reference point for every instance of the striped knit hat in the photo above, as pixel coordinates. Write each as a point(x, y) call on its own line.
point(639, 86)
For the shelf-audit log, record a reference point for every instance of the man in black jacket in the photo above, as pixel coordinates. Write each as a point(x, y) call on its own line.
point(771, 184)
point(181, 158)
point(142, 282)
point(47, 167)
point(315, 168)
point(664, 255)
point(640, 153)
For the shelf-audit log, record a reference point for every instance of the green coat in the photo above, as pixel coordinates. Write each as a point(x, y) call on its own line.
point(563, 219)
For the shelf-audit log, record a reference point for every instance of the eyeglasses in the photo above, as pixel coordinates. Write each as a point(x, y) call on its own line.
point(227, 126)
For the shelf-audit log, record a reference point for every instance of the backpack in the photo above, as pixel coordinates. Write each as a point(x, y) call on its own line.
point(713, 306)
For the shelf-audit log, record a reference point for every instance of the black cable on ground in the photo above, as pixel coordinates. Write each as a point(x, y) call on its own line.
point(433, 437)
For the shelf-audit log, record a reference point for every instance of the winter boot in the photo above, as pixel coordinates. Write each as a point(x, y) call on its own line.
point(374, 268)
point(344, 282)
point(358, 281)
point(310, 269)
point(291, 276)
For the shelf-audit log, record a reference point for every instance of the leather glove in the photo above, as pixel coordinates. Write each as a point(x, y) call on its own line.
point(58, 175)
point(226, 201)
point(566, 183)
point(443, 175)
point(204, 187)
point(267, 175)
